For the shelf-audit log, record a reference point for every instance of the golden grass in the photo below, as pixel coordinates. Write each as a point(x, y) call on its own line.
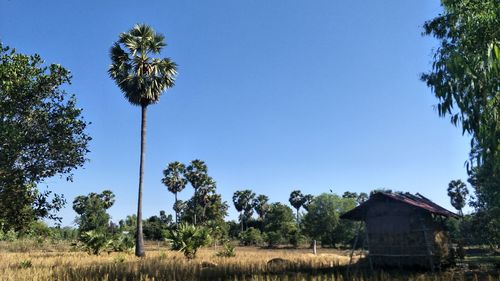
point(162, 264)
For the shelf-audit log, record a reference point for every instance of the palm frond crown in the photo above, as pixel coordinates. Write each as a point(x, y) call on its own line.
point(141, 77)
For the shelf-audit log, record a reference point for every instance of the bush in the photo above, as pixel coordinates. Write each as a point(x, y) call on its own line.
point(122, 243)
point(273, 238)
point(94, 242)
point(227, 251)
point(251, 236)
point(188, 239)
point(25, 264)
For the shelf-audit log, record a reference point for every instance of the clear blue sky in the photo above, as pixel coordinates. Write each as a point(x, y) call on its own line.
point(272, 95)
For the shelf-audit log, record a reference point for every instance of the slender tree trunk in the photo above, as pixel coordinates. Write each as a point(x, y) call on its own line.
point(139, 242)
point(241, 220)
point(176, 213)
point(195, 197)
point(297, 217)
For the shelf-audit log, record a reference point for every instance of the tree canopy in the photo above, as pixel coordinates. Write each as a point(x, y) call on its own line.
point(42, 134)
point(465, 79)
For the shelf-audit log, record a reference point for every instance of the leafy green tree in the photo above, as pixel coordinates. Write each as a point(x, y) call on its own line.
point(188, 239)
point(297, 200)
point(322, 221)
point(457, 191)
point(250, 236)
point(196, 174)
point(142, 78)
point(242, 200)
point(348, 194)
point(465, 79)
point(279, 224)
point(92, 210)
point(173, 178)
point(42, 134)
point(155, 227)
point(214, 210)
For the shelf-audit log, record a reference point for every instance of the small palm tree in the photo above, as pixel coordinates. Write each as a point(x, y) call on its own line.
point(297, 200)
point(142, 79)
point(173, 178)
point(188, 239)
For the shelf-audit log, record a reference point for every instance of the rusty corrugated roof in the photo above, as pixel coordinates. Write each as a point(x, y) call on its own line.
point(416, 200)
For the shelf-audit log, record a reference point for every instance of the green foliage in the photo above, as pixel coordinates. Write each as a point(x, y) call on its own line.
point(308, 199)
point(297, 200)
point(279, 224)
point(122, 243)
point(140, 77)
point(42, 135)
point(92, 210)
point(174, 180)
point(322, 221)
point(242, 200)
point(227, 251)
point(457, 191)
point(209, 207)
point(25, 264)
point(261, 205)
point(188, 239)
point(155, 227)
point(250, 236)
point(94, 242)
point(9, 235)
point(465, 79)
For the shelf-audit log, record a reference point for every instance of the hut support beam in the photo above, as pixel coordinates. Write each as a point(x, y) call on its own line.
point(428, 246)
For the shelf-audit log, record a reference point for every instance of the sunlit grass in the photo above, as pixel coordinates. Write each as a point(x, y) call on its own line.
point(162, 264)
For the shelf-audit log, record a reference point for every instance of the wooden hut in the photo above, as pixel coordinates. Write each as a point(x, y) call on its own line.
point(403, 229)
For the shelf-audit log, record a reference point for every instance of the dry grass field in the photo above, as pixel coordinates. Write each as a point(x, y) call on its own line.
point(59, 262)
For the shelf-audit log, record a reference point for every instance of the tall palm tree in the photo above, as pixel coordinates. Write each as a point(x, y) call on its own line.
point(173, 178)
point(196, 174)
point(242, 200)
point(308, 200)
point(142, 78)
point(297, 200)
point(457, 191)
point(261, 206)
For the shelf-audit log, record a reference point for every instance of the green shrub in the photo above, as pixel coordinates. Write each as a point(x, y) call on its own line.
point(25, 264)
point(94, 242)
point(251, 236)
point(227, 252)
point(188, 239)
point(273, 238)
point(122, 243)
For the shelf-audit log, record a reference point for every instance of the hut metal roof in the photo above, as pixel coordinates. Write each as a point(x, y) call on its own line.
point(417, 200)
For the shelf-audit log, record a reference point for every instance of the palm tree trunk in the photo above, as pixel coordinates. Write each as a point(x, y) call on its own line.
point(195, 205)
point(297, 217)
point(139, 242)
point(176, 213)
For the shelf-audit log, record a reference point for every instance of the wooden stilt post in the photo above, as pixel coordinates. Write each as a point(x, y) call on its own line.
point(428, 246)
point(369, 250)
point(353, 248)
